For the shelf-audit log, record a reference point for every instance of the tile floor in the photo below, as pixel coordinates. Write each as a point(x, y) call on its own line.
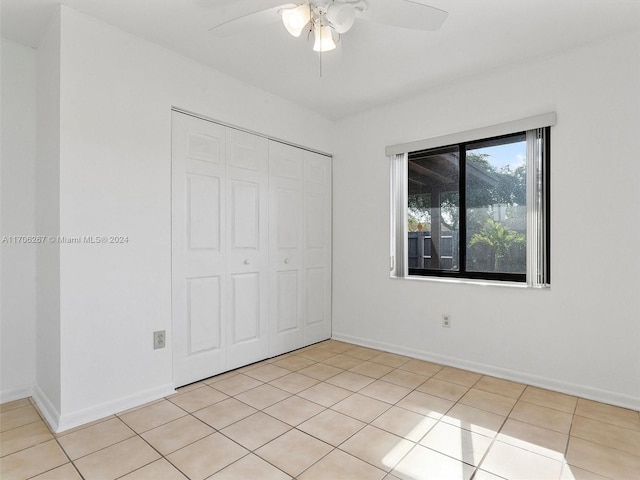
point(335, 411)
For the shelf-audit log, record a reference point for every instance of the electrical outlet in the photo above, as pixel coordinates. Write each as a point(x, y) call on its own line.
point(446, 320)
point(159, 338)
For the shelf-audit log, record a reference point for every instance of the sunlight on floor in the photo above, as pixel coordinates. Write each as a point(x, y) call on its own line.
point(336, 411)
point(451, 449)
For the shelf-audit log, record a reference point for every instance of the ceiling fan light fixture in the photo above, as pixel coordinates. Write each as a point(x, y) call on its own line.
point(295, 19)
point(323, 39)
point(341, 16)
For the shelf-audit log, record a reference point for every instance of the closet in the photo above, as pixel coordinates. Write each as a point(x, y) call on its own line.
point(251, 248)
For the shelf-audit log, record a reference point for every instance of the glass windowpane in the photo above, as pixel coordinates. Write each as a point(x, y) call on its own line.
point(433, 208)
point(496, 211)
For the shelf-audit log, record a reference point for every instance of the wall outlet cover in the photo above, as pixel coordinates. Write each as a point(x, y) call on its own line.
point(159, 339)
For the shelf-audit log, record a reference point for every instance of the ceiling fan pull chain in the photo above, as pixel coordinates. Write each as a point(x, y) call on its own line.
point(320, 52)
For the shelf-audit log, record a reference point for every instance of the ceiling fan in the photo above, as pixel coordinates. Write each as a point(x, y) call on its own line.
point(329, 19)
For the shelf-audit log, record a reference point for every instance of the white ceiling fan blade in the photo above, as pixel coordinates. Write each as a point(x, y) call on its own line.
point(250, 21)
point(405, 14)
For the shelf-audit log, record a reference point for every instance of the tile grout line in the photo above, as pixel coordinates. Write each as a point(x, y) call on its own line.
point(333, 448)
point(494, 439)
point(343, 352)
point(391, 406)
point(64, 452)
point(439, 421)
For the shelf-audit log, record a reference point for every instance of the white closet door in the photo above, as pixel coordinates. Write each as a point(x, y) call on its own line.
point(251, 248)
point(247, 231)
point(317, 247)
point(286, 248)
point(198, 247)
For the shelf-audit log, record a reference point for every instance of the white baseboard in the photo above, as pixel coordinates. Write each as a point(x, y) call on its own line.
point(16, 393)
point(47, 409)
point(584, 391)
point(60, 423)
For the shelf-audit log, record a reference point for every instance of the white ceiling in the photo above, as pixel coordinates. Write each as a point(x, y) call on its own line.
point(375, 64)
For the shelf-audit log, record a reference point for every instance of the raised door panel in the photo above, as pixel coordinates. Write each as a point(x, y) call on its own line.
point(245, 309)
point(315, 220)
point(203, 146)
point(288, 202)
point(198, 263)
point(315, 291)
point(287, 302)
point(245, 150)
point(247, 254)
point(203, 212)
point(204, 316)
point(285, 161)
point(245, 215)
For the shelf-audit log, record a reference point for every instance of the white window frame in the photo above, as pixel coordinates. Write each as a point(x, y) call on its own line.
point(537, 275)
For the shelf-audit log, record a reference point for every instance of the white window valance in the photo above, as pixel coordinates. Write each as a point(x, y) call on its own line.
point(522, 125)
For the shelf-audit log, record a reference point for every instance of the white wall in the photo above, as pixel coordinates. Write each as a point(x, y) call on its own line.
point(17, 302)
point(582, 335)
point(103, 167)
point(47, 220)
point(115, 163)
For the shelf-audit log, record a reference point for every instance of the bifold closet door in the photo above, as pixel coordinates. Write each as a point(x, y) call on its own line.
point(247, 233)
point(300, 247)
point(220, 248)
point(286, 175)
point(317, 247)
point(198, 248)
point(251, 248)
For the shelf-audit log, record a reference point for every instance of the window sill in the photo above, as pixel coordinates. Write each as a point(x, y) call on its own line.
point(470, 281)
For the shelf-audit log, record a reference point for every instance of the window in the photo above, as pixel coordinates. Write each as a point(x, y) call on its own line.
point(476, 208)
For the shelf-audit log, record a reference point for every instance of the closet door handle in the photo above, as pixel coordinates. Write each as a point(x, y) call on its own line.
point(286, 260)
point(246, 262)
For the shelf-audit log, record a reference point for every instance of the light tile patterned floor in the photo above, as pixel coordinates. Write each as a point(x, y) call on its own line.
point(335, 411)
